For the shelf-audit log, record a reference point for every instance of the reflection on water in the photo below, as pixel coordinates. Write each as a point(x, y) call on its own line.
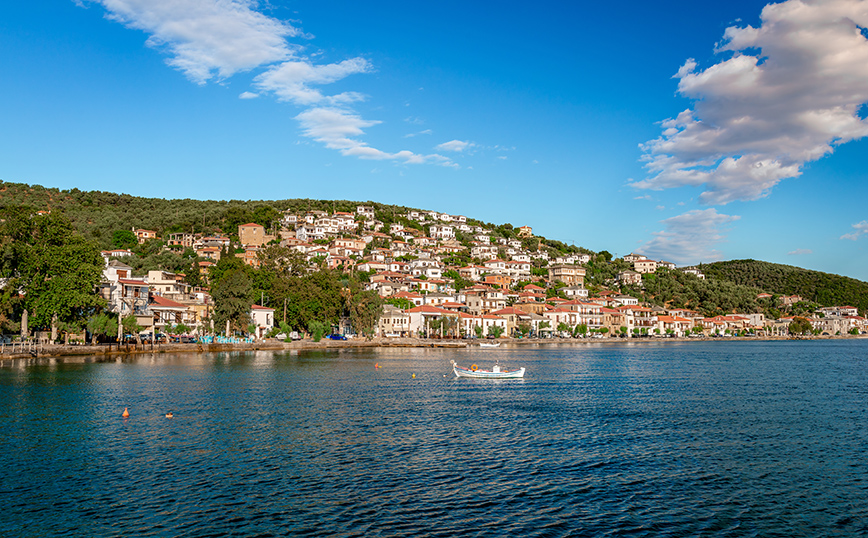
point(760, 438)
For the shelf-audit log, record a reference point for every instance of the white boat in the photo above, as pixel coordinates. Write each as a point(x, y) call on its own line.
point(496, 372)
point(489, 344)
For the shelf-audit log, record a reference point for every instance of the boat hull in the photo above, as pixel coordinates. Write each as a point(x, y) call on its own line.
point(486, 374)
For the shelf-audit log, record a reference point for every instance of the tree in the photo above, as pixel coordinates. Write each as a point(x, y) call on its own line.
point(495, 330)
point(226, 265)
point(232, 300)
point(193, 275)
point(282, 262)
point(316, 330)
point(101, 324)
point(450, 325)
point(622, 329)
point(478, 330)
point(131, 326)
point(313, 297)
point(434, 326)
point(57, 269)
point(365, 308)
point(124, 239)
point(564, 328)
point(400, 302)
point(800, 325)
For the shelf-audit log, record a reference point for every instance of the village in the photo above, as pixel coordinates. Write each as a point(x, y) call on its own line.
point(498, 296)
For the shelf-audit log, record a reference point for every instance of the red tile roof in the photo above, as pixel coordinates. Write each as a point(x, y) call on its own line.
point(165, 303)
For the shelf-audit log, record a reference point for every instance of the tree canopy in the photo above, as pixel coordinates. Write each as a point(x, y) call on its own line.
point(56, 270)
point(824, 289)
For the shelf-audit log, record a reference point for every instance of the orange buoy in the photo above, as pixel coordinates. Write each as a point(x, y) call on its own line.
point(126, 413)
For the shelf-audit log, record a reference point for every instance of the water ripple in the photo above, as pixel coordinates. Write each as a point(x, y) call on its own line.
point(743, 439)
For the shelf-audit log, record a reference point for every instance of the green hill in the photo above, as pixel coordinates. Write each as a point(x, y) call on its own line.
point(97, 214)
point(824, 289)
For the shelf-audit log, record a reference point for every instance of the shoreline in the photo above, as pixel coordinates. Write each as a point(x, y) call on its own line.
point(115, 351)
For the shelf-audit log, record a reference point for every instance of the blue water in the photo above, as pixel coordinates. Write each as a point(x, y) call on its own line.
point(691, 439)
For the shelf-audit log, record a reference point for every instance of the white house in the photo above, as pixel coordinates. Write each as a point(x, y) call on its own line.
point(263, 318)
point(441, 232)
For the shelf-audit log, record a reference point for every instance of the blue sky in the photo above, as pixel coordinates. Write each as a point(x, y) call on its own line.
point(687, 131)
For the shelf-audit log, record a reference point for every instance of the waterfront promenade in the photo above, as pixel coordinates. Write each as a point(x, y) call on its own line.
point(30, 350)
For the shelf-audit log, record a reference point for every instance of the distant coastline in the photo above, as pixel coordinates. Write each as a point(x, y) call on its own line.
point(113, 352)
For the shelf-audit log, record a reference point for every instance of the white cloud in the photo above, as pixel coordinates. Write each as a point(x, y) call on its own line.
point(454, 145)
point(758, 118)
point(337, 128)
point(689, 238)
point(291, 80)
point(859, 229)
point(800, 252)
point(424, 132)
point(207, 37)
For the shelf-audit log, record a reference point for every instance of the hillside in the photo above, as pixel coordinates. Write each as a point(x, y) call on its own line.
point(824, 289)
point(96, 215)
point(732, 285)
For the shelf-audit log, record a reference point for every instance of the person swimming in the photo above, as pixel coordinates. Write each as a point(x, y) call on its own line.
point(170, 415)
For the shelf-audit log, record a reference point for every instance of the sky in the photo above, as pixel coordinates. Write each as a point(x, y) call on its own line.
point(686, 131)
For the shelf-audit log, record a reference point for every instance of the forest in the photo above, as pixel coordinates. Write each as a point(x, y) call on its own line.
point(824, 289)
point(96, 215)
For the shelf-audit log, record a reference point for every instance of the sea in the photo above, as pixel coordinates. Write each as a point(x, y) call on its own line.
point(746, 438)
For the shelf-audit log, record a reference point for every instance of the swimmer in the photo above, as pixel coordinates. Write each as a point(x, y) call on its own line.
point(170, 415)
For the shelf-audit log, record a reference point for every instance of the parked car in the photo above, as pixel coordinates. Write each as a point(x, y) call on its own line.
point(337, 337)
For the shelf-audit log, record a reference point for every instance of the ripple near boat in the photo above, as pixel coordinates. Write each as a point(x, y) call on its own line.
point(496, 372)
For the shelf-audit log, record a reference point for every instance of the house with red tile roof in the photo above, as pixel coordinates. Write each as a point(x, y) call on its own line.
point(263, 318)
